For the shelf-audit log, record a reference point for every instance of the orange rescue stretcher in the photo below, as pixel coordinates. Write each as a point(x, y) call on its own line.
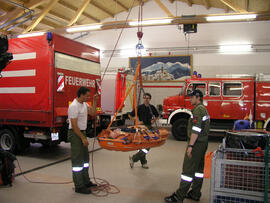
point(135, 137)
point(130, 139)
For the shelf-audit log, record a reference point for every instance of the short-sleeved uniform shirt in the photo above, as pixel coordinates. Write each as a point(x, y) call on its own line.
point(199, 123)
point(80, 111)
point(144, 113)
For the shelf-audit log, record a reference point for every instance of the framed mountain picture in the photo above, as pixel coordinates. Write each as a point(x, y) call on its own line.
point(163, 68)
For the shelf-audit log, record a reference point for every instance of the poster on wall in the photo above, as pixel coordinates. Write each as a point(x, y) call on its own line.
point(163, 68)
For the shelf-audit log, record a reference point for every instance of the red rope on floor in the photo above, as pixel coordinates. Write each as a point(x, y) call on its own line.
point(104, 188)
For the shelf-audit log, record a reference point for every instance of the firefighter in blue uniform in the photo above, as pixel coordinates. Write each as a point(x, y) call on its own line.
point(197, 143)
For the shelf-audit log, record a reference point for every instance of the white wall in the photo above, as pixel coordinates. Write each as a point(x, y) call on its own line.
point(209, 65)
point(211, 34)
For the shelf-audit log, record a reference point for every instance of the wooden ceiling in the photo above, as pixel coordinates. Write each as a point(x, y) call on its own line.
point(22, 16)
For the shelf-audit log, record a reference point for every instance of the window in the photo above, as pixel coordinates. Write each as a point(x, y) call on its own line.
point(182, 90)
point(232, 89)
point(196, 86)
point(73, 63)
point(214, 88)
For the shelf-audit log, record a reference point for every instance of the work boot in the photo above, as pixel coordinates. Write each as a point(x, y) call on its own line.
point(173, 199)
point(83, 190)
point(145, 166)
point(131, 162)
point(90, 184)
point(190, 196)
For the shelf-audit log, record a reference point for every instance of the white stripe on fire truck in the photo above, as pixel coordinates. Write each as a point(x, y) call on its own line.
point(18, 90)
point(60, 85)
point(24, 56)
point(19, 73)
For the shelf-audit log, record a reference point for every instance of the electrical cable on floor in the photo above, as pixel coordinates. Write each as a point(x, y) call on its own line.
point(39, 182)
point(104, 187)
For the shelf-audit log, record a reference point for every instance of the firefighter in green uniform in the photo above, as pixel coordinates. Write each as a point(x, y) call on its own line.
point(147, 115)
point(192, 173)
point(77, 115)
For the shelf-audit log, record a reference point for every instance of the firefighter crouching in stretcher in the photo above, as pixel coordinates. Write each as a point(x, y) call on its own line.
point(192, 173)
point(77, 115)
point(147, 115)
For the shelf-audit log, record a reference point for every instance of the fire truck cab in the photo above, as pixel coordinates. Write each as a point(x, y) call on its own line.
point(226, 99)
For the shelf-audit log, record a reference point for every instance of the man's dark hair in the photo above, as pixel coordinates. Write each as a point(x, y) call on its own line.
point(82, 91)
point(147, 94)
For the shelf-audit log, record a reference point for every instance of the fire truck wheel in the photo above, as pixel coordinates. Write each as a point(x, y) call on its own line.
point(7, 140)
point(179, 129)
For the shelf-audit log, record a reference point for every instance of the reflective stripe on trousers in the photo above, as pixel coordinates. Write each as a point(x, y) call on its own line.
point(199, 175)
point(197, 129)
point(144, 150)
point(77, 169)
point(86, 165)
point(186, 178)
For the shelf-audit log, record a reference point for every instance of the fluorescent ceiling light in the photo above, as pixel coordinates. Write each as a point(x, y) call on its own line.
point(231, 17)
point(31, 34)
point(84, 28)
point(150, 22)
point(235, 48)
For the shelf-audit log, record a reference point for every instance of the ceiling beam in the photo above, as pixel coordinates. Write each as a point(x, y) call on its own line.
point(246, 5)
point(71, 7)
point(164, 8)
point(79, 12)
point(196, 19)
point(206, 4)
point(189, 2)
point(50, 23)
point(58, 15)
point(234, 7)
point(2, 12)
point(52, 14)
point(51, 4)
point(103, 10)
point(121, 5)
point(19, 11)
point(4, 32)
point(226, 9)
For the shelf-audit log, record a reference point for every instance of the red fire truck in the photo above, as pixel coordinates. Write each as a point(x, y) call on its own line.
point(226, 99)
point(37, 87)
point(114, 88)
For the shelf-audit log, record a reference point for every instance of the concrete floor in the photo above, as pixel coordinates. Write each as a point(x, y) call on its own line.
point(136, 185)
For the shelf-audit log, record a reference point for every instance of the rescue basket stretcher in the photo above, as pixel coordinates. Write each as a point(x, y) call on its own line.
point(135, 137)
point(130, 139)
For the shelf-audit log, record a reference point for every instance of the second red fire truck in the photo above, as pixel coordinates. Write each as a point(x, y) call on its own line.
point(226, 99)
